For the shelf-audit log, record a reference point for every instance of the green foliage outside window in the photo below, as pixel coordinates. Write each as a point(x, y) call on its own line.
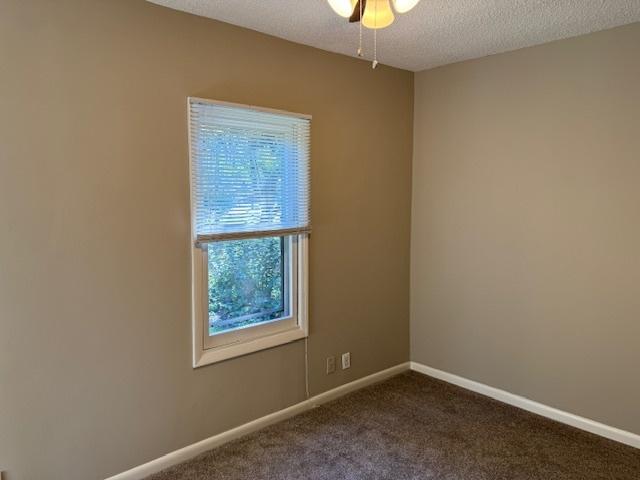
point(246, 282)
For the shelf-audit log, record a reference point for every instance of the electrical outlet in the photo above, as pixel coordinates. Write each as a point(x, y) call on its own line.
point(346, 360)
point(331, 364)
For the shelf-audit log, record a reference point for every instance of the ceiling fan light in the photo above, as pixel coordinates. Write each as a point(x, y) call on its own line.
point(378, 14)
point(344, 8)
point(403, 6)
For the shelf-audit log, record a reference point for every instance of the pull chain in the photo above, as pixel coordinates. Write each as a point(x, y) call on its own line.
point(360, 45)
point(375, 36)
point(375, 49)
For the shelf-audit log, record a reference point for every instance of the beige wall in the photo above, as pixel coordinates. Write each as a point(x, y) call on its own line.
point(95, 349)
point(526, 223)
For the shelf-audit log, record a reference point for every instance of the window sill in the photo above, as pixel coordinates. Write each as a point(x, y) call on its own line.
point(219, 354)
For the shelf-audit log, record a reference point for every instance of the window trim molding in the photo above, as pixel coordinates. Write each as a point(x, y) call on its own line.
point(205, 356)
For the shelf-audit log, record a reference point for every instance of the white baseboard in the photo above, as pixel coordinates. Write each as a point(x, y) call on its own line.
point(582, 423)
point(188, 452)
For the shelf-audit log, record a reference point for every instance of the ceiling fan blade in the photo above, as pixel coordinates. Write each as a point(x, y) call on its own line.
point(355, 16)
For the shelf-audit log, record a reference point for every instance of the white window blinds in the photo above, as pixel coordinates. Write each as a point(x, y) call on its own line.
point(250, 171)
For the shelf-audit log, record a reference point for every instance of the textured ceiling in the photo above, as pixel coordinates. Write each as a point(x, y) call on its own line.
point(434, 33)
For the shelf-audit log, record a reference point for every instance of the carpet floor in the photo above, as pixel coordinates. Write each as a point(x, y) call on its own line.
point(414, 427)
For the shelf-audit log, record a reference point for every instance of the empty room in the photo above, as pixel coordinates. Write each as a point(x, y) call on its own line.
point(320, 239)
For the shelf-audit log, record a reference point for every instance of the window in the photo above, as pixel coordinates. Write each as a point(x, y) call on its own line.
point(250, 226)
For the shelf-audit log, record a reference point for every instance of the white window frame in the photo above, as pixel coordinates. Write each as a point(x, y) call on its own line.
point(295, 326)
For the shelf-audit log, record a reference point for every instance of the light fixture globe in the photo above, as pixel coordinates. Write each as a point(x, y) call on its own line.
point(378, 14)
point(344, 8)
point(403, 6)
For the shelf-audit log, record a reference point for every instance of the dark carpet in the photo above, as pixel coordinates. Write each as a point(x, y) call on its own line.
point(415, 427)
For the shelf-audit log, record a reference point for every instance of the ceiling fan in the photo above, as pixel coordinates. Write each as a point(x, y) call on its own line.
point(373, 14)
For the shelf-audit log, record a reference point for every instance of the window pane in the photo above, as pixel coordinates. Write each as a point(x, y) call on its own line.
point(246, 283)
